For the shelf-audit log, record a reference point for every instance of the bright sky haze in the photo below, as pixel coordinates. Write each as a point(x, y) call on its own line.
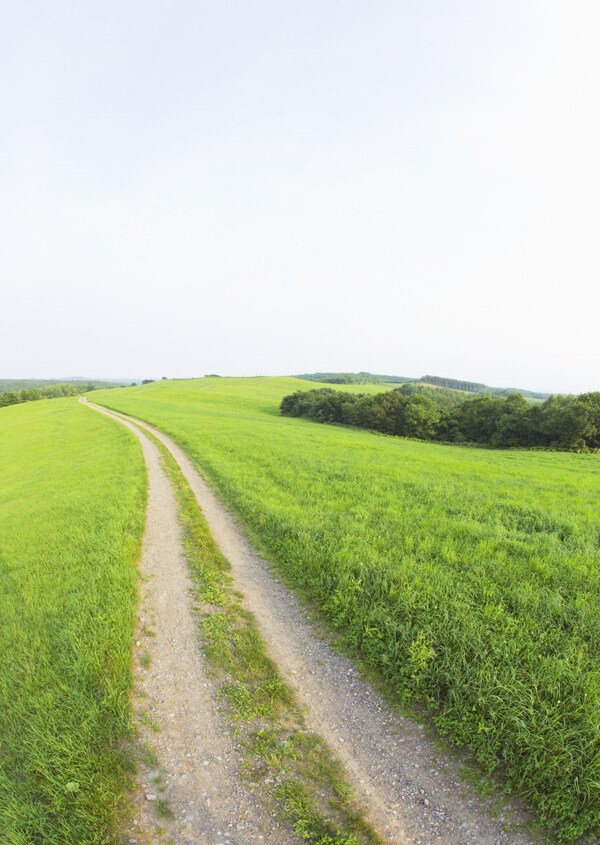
point(273, 188)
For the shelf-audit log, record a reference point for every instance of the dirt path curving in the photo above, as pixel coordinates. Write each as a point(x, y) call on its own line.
point(196, 765)
point(413, 792)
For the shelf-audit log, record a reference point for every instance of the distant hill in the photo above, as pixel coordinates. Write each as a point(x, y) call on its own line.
point(354, 378)
point(14, 385)
point(434, 381)
point(476, 387)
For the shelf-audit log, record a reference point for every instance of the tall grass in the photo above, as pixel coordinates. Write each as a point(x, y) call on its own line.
point(72, 496)
point(469, 579)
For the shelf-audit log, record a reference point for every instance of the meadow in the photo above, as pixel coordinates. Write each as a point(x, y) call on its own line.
point(467, 579)
point(72, 501)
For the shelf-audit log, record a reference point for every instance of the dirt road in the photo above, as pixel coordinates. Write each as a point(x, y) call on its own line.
point(413, 791)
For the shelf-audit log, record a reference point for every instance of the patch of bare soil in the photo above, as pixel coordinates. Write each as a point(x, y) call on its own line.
point(412, 790)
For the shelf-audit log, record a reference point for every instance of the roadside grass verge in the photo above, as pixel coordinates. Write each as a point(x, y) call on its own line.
point(292, 769)
point(468, 580)
point(72, 503)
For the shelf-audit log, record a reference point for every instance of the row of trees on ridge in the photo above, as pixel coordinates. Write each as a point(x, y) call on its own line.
point(560, 422)
point(53, 391)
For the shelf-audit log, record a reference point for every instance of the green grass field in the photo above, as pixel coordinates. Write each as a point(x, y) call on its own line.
point(72, 499)
point(467, 578)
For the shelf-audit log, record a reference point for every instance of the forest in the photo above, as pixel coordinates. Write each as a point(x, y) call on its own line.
point(567, 423)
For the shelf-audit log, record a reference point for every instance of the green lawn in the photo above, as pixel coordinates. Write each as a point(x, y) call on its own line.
point(468, 578)
point(72, 499)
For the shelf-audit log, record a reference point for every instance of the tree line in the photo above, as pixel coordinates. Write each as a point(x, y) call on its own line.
point(570, 423)
point(459, 385)
point(477, 387)
point(456, 384)
point(353, 378)
point(53, 391)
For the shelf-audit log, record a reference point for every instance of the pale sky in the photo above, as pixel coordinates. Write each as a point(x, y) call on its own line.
point(283, 187)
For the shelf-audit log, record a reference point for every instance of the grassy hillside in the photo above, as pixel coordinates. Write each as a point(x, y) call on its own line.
point(72, 497)
point(470, 580)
